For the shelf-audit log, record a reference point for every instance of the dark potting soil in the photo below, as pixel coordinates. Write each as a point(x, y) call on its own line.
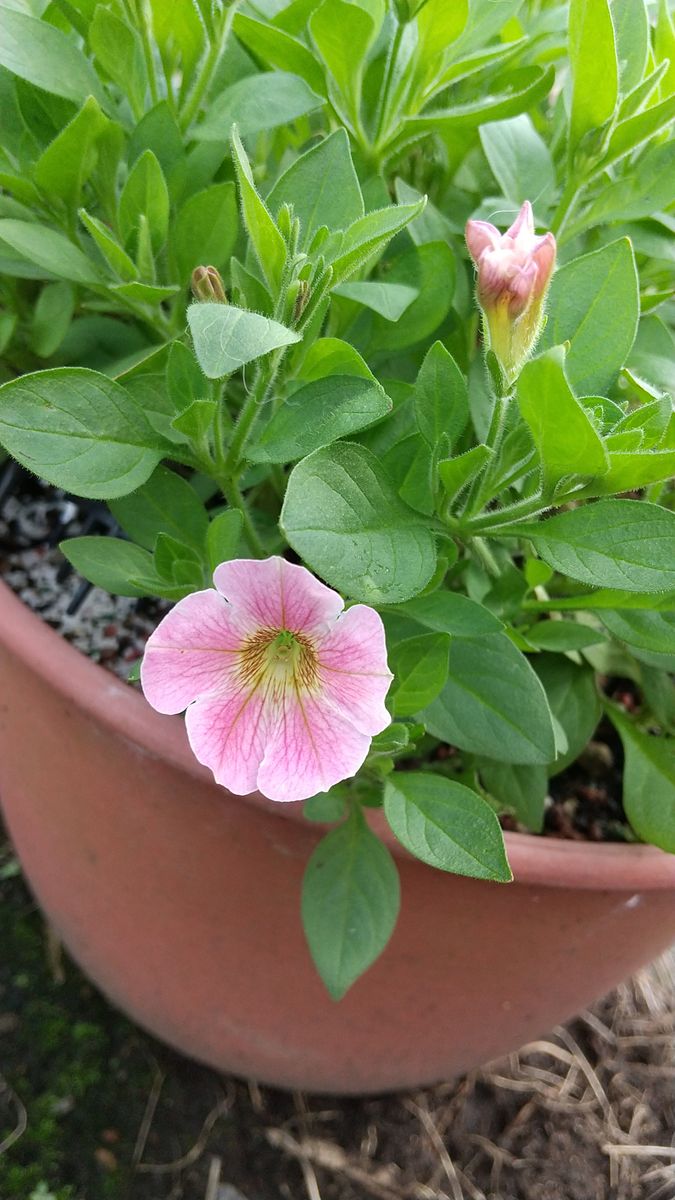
point(584, 801)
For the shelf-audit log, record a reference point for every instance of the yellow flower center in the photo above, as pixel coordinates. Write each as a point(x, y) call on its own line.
point(279, 659)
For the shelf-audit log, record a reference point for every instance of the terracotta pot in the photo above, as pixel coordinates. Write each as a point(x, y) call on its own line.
point(182, 901)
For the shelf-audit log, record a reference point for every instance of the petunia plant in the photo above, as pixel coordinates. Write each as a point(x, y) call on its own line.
point(357, 315)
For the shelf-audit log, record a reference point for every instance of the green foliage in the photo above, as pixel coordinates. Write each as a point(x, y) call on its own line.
point(446, 825)
point(350, 902)
point(331, 398)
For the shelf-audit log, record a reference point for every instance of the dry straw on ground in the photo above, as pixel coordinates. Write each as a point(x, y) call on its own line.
point(586, 1113)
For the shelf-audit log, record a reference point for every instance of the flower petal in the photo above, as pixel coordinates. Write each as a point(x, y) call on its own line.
point(309, 748)
point(522, 230)
point(276, 594)
point(227, 733)
point(192, 650)
point(353, 668)
point(480, 236)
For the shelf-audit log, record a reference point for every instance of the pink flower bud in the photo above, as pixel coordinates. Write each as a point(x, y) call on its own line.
point(514, 271)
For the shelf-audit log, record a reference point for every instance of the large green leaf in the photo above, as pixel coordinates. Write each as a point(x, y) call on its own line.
point(420, 665)
point(518, 787)
point(350, 902)
point(441, 397)
point(78, 430)
point(344, 518)
point(110, 563)
point(574, 701)
point(627, 544)
point(322, 187)
point(563, 432)
point(165, 504)
point(594, 304)
point(520, 159)
point(649, 635)
point(318, 414)
point(446, 825)
point(648, 783)
point(226, 337)
point(256, 103)
point(595, 72)
point(476, 709)
point(205, 230)
point(451, 612)
point(48, 249)
point(39, 52)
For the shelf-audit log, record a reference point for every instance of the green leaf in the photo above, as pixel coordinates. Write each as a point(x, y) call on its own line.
point(48, 249)
point(566, 438)
point(648, 783)
point(453, 613)
point(109, 563)
point(446, 825)
point(177, 563)
point(573, 700)
point(594, 304)
point(331, 356)
point(390, 300)
point(52, 315)
point(145, 194)
point(420, 665)
point(522, 789)
point(257, 103)
point(119, 51)
point(78, 430)
point(318, 414)
point(223, 537)
point(268, 243)
point(226, 337)
point(519, 159)
point(343, 517)
point(649, 635)
point(279, 49)
point(631, 30)
point(63, 168)
point(164, 504)
point(635, 130)
point(342, 33)
point(455, 473)
point(349, 250)
point(441, 397)
point(641, 193)
point(205, 230)
point(526, 87)
point(322, 187)
point(350, 902)
point(42, 54)
point(184, 378)
point(627, 544)
point(115, 256)
point(430, 268)
point(562, 636)
point(196, 420)
point(476, 709)
point(595, 74)
point(633, 469)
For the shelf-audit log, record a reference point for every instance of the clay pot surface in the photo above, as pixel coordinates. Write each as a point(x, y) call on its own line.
point(182, 901)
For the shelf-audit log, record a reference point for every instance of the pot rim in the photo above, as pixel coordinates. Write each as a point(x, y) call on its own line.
point(546, 862)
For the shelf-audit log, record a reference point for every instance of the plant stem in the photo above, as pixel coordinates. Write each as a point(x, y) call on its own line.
point(234, 498)
point(201, 84)
point(142, 23)
point(566, 204)
point(474, 500)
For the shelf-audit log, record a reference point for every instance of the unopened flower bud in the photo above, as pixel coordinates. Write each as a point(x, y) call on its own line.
point(301, 299)
point(207, 284)
point(514, 271)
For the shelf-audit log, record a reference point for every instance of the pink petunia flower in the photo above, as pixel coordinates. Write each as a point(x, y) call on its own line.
point(284, 690)
point(514, 271)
